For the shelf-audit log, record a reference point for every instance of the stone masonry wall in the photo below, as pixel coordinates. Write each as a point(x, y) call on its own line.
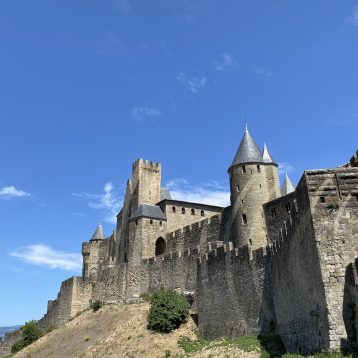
point(334, 201)
point(278, 287)
point(230, 296)
point(73, 297)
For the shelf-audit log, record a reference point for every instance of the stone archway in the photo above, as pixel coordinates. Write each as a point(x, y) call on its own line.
point(160, 246)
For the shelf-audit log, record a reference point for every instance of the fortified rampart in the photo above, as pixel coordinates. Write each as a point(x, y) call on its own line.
point(74, 296)
point(275, 261)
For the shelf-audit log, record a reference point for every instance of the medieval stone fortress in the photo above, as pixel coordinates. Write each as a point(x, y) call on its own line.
point(280, 260)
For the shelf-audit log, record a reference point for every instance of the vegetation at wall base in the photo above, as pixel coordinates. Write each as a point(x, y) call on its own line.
point(30, 333)
point(167, 312)
point(269, 346)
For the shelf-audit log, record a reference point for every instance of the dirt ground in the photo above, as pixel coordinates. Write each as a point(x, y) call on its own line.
point(119, 331)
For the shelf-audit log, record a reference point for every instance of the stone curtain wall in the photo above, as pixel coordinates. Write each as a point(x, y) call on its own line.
point(334, 201)
point(231, 286)
point(278, 287)
point(297, 283)
point(74, 296)
point(174, 270)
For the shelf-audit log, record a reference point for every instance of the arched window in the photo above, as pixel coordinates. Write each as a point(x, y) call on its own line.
point(202, 213)
point(173, 208)
point(192, 211)
point(160, 246)
point(183, 210)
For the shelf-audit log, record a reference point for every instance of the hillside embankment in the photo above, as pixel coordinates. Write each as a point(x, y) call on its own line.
point(120, 331)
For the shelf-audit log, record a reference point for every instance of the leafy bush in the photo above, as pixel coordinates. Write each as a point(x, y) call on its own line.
point(96, 305)
point(30, 333)
point(168, 310)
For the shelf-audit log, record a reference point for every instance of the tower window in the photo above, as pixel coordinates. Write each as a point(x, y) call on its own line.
point(151, 221)
point(258, 169)
point(192, 211)
point(136, 222)
point(160, 223)
point(242, 202)
point(260, 186)
point(322, 199)
point(250, 241)
point(251, 171)
point(183, 210)
point(202, 213)
point(244, 219)
point(243, 169)
point(355, 196)
point(238, 188)
point(173, 208)
point(273, 213)
point(288, 207)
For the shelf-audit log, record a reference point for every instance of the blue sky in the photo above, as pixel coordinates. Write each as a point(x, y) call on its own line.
point(87, 87)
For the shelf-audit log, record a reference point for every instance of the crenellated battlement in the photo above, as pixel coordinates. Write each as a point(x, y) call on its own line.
point(146, 164)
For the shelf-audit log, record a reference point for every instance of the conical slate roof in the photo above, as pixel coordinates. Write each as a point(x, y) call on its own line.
point(248, 151)
point(98, 234)
point(266, 156)
point(287, 186)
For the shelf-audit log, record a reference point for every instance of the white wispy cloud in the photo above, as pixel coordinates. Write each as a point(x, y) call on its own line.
point(43, 255)
point(260, 71)
point(206, 193)
point(285, 168)
point(226, 60)
point(10, 192)
point(141, 113)
point(109, 202)
point(352, 19)
point(192, 83)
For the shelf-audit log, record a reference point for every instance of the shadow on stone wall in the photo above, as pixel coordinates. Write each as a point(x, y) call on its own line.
point(350, 308)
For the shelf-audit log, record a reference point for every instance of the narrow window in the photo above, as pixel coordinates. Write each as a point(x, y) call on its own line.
point(288, 207)
point(258, 169)
point(242, 202)
point(243, 169)
point(151, 221)
point(192, 211)
point(273, 213)
point(173, 208)
point(355, 196)
point(251, 171)
point(250, 241)
point(244, 219)
point(260, 186)
point(202, 213)
point(183, 210)
point(136, 222)
point(238, 188)
point(160, 223)
point(322, 199)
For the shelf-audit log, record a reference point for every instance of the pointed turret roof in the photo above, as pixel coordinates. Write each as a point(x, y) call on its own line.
point(98, 234)
point(287, 186)
point(248, 151)
point(266, 156)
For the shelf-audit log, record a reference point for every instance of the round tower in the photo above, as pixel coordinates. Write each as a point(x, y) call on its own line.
point(254, 181)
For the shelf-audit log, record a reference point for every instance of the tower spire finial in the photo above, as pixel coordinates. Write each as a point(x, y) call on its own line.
point(245, 115)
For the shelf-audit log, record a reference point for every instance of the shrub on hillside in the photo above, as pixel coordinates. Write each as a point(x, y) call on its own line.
point(168, 310)
point(30, 333)
point(96, 305)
